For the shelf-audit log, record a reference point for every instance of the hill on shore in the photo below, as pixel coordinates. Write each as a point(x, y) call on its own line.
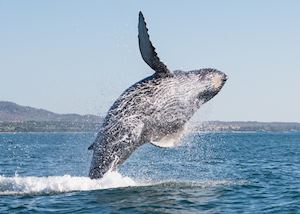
point(12, 112)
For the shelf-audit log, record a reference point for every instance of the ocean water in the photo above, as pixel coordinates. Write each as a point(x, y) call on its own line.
point(208, 173)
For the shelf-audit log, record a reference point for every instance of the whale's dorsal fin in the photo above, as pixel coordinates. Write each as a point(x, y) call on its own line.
point(148, 51)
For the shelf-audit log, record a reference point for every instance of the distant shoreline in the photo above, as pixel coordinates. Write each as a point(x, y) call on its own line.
point(48, 126)
point(16, 118)
point(208, 126)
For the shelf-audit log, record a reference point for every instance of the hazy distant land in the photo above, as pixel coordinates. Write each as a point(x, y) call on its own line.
point(17, 118)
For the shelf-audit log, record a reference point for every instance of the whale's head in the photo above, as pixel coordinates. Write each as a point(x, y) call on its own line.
point(210, 82)
point(203, 83)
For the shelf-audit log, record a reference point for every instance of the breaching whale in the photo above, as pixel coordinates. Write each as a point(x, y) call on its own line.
point(153, 110)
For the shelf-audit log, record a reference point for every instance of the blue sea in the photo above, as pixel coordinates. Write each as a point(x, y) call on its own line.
point(207, 173)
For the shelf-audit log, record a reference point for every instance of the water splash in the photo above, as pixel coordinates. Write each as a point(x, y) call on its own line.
point(18, 185)
point(60, 184)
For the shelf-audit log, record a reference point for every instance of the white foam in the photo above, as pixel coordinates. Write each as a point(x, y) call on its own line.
point(59, 184)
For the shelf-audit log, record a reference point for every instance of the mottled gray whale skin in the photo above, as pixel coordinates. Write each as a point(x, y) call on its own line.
point(154, 109)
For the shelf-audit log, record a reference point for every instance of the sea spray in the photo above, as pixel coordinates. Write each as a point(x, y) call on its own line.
point(59, 184)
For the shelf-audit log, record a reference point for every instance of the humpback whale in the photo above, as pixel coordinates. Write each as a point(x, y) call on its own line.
point(154, 110)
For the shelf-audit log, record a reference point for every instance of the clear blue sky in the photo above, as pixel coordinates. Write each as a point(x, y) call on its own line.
point(78, 56)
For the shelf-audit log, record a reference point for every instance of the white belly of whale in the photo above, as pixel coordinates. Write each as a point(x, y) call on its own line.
point(170, 140)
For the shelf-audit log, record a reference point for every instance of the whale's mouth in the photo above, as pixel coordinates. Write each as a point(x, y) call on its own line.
point(219, 80)
point(212, 90)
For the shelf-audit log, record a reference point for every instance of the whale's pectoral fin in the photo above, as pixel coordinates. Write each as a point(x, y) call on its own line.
point(148, 51)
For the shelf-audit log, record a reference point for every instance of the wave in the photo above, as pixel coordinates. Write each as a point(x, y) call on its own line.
point(60, 184)
point(18, 185)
